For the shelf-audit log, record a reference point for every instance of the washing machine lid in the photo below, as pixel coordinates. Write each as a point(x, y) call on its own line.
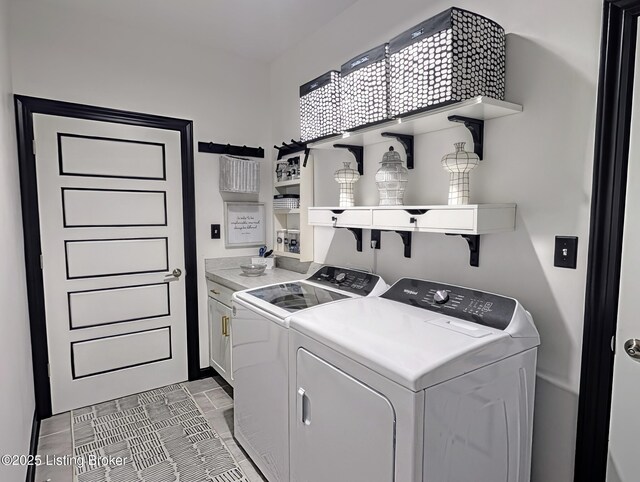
point(328, 284)
point(404, 338)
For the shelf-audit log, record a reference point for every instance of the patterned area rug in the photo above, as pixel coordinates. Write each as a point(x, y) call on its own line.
point(156, 436)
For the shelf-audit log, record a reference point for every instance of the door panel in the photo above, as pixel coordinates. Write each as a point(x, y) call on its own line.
point(343, 429)
point(117, 305)
point(110, 206)
point(109, 257)
point(92, 208)
point(105, 157)
point(622, 463)
point(110, 353)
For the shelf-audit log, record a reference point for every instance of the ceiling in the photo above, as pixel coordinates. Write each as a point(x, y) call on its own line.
point(256, 29)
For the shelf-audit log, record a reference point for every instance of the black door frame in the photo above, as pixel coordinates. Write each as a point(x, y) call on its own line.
point(25, 108)
point(613, 131)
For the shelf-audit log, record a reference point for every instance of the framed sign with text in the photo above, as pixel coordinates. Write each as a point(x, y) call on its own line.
point(245, 224)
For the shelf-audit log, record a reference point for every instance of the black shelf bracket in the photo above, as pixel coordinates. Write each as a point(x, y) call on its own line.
point(406, 240)
point(407, 142)
point(376, 235)
point(476, 127)
point(307, 151)
point(242, 151)
point(358, 153)
point(295, 146)
point(357, 233)
point(473, 240)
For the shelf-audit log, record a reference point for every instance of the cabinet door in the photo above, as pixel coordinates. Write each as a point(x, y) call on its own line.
point(343, 430)
point(220, 338)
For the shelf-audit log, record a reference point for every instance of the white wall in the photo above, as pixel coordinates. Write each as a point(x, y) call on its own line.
point(74, 56)
point(16, 380)
point(540, 159)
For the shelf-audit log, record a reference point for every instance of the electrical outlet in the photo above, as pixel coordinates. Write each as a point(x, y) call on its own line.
point(215, 231)
point(566, 252)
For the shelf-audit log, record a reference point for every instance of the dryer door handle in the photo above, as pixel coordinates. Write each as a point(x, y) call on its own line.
point(304, 407)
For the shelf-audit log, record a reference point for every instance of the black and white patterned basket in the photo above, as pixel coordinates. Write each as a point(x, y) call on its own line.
point(364, 88)
point(286, 201)
point(320, 107)
point(454, 56)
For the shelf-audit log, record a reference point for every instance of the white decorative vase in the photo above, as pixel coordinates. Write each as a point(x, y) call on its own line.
point(459, 164)
point(346, 177)
point(392, 179)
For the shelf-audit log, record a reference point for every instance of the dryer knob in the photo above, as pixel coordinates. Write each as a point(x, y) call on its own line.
point(340, 277)
point(441, 297)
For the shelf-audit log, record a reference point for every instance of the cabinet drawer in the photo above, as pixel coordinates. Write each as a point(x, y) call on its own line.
point(340, 218)
point(219, 292)
point(433, 219)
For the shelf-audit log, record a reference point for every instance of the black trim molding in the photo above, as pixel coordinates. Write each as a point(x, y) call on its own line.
point(613, 123)
point(33, 446)
point(25, 108)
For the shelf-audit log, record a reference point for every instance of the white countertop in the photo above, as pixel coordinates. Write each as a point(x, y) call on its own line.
point(227, 272)
point(235, 279)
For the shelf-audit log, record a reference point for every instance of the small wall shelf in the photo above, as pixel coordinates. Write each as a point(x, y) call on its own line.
point(478, 108)
point(294, 220)
point(287, 211)
point(287, 254)
point(468, 221)
point(293, 182)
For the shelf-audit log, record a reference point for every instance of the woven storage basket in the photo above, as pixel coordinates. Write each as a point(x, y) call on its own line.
point(364, 89)
point(320, 107)
point(239, 175)
point(286, 201)
point(451, 57)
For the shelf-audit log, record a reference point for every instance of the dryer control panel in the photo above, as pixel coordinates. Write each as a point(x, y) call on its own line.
point(466, 304)
point(352, 281)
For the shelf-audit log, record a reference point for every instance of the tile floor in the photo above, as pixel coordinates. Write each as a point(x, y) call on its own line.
point(214, 397)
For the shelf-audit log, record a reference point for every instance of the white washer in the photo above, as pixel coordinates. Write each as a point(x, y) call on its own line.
point(427, 383)
point(260, 357)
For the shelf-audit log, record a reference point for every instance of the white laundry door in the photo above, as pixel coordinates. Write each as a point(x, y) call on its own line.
point(110, 203)
point(624, 429)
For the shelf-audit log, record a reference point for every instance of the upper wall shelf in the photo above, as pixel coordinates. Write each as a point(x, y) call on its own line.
point(482, 108)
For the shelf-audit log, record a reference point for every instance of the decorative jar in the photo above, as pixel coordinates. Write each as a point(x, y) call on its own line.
point(346, 177)
point(392, 178)
point(459, 164)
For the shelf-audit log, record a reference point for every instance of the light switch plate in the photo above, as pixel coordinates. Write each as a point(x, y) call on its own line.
point(566, 252)
point(215, 231)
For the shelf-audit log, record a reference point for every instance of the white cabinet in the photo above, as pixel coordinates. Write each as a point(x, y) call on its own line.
point(334, 411)
point(220, 323)
point(340, 217)
point(464, 219)
point(428, 219)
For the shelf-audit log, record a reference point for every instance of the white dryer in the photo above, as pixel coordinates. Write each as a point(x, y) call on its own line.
point(427, 383)
point(260, 357)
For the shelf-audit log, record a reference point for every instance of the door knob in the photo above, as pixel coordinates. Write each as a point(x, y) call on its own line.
point(174, 276)
point(632, 347)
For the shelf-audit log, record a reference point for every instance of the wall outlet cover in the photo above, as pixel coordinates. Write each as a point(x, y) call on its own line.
point(566, 252)
point(215, 231)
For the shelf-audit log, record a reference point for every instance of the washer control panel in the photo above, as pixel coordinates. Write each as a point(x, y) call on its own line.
point(466, 304)
point(352, 281)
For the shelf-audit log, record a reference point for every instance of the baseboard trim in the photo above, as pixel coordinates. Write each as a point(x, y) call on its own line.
point(207, 372)
point(33, 446)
